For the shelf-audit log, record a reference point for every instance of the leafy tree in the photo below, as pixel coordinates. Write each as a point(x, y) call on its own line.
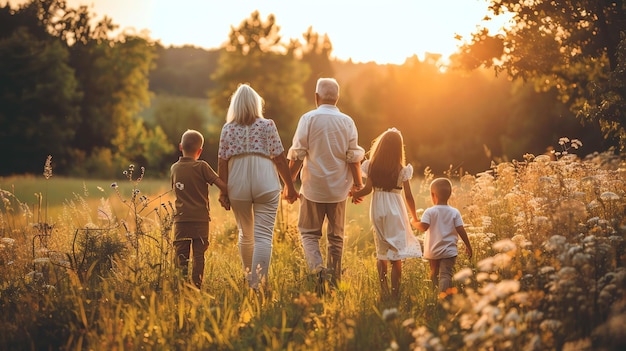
point(254, 54)
point(316, 53)
point(113, 77)
point(577, 48)
point(38, 101)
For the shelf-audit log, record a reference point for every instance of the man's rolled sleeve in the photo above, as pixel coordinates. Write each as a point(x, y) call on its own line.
point(296, 154)
point(355, 155)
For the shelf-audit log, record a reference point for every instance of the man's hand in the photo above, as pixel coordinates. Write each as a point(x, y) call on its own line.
point(355, 188)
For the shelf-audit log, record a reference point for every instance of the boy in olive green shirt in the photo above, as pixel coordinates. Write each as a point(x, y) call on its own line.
point(191, 179)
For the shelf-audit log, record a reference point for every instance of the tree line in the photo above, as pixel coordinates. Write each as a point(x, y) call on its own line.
point(98, 103)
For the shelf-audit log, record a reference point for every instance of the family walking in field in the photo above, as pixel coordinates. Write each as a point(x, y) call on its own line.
point(331, 165)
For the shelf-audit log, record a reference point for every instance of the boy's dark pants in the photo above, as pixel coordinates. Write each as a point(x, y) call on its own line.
point(191, 238)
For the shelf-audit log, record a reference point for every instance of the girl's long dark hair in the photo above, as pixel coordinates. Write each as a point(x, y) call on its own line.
point(387, 159)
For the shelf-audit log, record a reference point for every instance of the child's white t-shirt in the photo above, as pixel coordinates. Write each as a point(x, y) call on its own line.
point(441, 237)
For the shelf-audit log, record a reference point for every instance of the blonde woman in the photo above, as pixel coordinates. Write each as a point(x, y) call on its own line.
point(250, 161)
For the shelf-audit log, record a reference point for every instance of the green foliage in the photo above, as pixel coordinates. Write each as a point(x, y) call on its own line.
point(573, 47)
point(256, 56)
point(68, 89)
point(38, 100)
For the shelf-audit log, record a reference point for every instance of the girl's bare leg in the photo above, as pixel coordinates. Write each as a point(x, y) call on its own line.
point(382, 277)
point(396, 277)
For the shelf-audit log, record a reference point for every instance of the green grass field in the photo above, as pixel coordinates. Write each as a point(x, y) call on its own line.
point(547, 273)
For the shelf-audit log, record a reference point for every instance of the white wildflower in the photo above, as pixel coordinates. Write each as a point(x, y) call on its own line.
point(482, 276)
point(504, 245)
point(533, 316)
point(486, 264)
point(507, 287)
point(41, 260)
point(8, 241)
point(501, 260)
point(550, 324)
point(555, 242)
point(464, 275)
point(609, 196)
point(512, 316)
point(390, 314)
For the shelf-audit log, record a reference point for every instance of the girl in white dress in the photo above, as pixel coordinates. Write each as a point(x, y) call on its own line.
point(388, 175)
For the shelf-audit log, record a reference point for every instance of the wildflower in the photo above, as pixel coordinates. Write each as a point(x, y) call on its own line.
point(543, 159)
point(501, 260)
point(408, 323)
point(180, 186)
point(8, 241)
point(554, 243)
point(47, 168)
point(41, 260)
point(512, 316)
point(533, 316)
point(485, 265)
point(609, 196)
point(510, 331)
point(550, 324)
point(393, 345)
point(390, 314)
point(464, 275)
point(482, 276)
point(114, 185)
point(496, 330)
point(507, 287)
point(504, 245)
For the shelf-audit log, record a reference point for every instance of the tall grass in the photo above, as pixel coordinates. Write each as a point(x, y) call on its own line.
point(548, 272)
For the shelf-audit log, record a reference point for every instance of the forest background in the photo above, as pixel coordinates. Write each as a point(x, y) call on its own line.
point(97, 103)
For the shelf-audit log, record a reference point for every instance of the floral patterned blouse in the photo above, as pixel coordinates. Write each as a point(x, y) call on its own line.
point(261, 137)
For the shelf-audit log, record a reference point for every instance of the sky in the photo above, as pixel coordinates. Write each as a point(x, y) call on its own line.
point(366, 30)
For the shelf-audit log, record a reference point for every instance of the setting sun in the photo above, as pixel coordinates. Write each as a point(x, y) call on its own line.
point(363, 31)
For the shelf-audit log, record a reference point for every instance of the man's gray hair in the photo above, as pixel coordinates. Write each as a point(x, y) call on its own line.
point(327, 89)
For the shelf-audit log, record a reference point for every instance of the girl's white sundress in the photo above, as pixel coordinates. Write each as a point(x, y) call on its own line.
point(392, 228)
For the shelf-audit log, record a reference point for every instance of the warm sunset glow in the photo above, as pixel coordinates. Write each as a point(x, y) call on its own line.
point(365, 30)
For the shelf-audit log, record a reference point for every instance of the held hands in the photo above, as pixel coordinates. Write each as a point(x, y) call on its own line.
point(354, 191)
point(290, 194)
point(224, 201)
point(415, 222)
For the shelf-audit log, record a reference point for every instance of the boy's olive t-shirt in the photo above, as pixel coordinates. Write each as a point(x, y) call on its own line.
point(190, 181)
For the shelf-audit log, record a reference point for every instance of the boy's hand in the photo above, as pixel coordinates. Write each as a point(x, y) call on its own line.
point(224, 201)
point(468, 251)
point(414, 223)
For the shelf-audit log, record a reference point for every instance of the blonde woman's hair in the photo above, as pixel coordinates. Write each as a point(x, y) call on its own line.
point(191, 141)
point(387, 159)
point(246, 105)
point(442, 187)
point(327, 89)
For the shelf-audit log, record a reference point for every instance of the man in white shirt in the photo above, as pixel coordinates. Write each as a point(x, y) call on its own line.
point(326, 153)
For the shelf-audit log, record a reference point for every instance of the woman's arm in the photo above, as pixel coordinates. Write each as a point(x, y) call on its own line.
point(222, 172)
point(290, 194)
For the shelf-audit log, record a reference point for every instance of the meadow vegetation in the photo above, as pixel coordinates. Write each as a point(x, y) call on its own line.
point(96, 273)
